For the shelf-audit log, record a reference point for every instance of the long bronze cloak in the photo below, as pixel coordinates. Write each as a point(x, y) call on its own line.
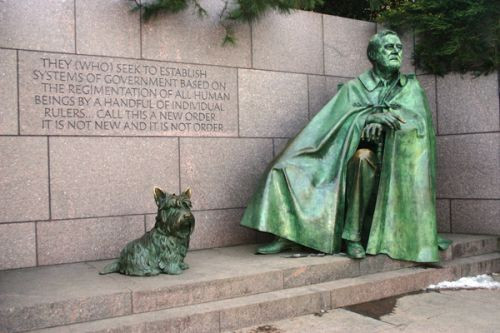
point(302, 196)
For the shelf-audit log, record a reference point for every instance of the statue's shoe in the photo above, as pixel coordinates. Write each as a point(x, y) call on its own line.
point(355, 250)
point(277, 246)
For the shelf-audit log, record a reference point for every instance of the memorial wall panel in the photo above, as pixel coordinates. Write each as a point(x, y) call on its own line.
point(467, 166)
point(321, 90)
point(95, 35)
point(62, 94)
point(345, 42)
point(468, 104)
point(86, 239)
point(18, 249)
point(476, 216)
point(443, 215)
point(8, 92)
point(224, 223)
point(223, 172)
point(47, 25)
point(93, 176)
point(428, 83)
point(272, 104)
point(295, 46)
point(24, 194)
point(184, 37)
point(279, 145)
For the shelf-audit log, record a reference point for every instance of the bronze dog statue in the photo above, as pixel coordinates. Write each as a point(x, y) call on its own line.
point(163, 248)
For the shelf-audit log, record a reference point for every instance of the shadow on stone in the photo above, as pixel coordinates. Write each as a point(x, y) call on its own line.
point(380, 308)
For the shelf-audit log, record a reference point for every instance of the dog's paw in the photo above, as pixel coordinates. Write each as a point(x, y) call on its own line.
point(183, 265)
point(172, 269)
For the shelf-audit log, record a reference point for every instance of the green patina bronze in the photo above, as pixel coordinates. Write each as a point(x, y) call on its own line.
point(361, 172)
point(163, 248)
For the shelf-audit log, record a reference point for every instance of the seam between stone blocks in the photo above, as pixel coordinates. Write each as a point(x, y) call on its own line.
point(140, 32)
point(179, 162)
point(220, 327)
point(74, 24)
point(49, 189)
point(114, 216)
point(148, 136)
point(83, 218)
point(197, 210)
point(309, 99)
point(128, 289)
point(131, 303)
point(414, 41)
point(49, 198)
point(451, 221)
point(251, 45)
point(282, 280)
point(17, 93)
point(468, 133)
point(36, 244)
point(436, 104)
point(468, 199)
point(498, 89)
point(238, 102)
point(323, 42)
point(200, 137)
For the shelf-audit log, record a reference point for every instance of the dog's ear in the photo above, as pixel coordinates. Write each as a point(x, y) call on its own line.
point(158, 194)
point(187, 192)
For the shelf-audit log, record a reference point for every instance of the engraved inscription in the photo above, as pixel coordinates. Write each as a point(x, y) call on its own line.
point(83, 95)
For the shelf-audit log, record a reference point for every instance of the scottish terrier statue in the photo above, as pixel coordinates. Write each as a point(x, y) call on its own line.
point(163, 248)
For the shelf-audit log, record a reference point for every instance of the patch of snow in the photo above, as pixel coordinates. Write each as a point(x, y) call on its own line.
point(470, 282)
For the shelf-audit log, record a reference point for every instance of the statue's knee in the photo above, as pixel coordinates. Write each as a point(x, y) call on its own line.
point(362, 157)
point(364, 154)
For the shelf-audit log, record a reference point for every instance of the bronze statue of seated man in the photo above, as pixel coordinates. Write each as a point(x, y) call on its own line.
point(361, 173)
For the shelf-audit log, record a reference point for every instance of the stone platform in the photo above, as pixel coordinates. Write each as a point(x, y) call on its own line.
point(442, 311)
point(225, 289)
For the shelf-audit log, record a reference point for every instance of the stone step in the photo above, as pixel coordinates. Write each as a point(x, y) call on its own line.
point(236, 313)
point(441, 310)
point(50, 296)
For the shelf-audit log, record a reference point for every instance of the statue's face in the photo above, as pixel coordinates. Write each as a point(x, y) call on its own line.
point(389, 54)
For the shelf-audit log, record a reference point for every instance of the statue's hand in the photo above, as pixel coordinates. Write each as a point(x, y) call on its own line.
point(372, 132)
point(388, 119)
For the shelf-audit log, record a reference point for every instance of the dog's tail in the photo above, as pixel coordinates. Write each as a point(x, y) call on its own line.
point(111, 268)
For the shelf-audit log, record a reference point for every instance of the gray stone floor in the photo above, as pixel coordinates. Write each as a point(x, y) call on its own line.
point(455, 311)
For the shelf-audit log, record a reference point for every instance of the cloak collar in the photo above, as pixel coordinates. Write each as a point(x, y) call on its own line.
point(371, 81)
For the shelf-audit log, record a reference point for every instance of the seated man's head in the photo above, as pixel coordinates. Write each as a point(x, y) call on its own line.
point(385, 52)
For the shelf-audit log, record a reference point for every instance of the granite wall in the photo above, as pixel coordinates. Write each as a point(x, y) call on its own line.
point(97, 107)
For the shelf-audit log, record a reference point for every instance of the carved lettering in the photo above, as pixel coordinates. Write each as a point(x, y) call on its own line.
point(70, 94)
